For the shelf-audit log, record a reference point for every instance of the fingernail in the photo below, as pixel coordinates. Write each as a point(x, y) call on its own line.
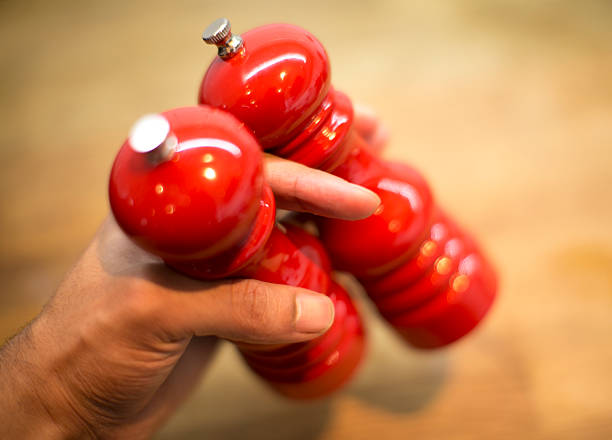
point(365, 110)
point(380, 137)
point(314, 313)
point(371, 194)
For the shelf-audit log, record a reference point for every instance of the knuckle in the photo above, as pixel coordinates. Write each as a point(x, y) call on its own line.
point(139, 301)
point(255, 306)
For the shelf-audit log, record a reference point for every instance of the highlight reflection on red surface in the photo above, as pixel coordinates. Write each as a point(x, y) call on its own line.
point(207, 212)
point(412, 260)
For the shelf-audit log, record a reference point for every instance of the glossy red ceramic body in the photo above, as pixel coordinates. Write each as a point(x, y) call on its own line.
point(320, 366)
point(221, 223)
point(200, 203)
point(273, 84)
point(433, 287)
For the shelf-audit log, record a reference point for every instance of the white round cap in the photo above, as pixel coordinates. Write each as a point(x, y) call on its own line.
point(149, 132)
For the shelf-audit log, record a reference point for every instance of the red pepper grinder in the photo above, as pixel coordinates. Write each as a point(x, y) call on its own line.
point(426, 276)
point(188, 187)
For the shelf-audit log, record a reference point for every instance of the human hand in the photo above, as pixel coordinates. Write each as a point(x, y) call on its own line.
point(124, 339)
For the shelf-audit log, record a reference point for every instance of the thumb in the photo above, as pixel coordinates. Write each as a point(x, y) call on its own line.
point(250, 311)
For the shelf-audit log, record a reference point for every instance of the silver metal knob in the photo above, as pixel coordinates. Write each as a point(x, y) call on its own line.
point(151, 135)
point(219, 33)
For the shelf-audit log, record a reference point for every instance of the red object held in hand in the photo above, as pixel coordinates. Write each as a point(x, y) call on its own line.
point(188, 187)
point(427, 277)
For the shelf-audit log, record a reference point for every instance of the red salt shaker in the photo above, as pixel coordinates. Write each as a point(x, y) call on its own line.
point(188, 187)
point(427, 277)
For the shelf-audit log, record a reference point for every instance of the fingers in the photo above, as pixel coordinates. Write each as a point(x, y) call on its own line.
point(300, 188)
point(249, 311)
point(367, 124)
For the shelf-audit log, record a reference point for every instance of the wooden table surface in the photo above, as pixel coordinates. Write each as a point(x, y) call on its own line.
point(506, 106)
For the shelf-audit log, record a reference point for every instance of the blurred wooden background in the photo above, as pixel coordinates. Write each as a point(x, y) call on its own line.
point(505, 105)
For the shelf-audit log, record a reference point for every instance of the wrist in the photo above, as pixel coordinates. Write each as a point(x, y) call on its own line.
point(32, 406)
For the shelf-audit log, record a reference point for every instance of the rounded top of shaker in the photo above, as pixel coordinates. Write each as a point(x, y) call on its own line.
point(276, 85)
point(200, 201)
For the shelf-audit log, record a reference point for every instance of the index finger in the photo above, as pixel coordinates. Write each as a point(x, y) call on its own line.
point(300, 188)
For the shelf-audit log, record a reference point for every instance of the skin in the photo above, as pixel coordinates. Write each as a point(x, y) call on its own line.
point(124, 340)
